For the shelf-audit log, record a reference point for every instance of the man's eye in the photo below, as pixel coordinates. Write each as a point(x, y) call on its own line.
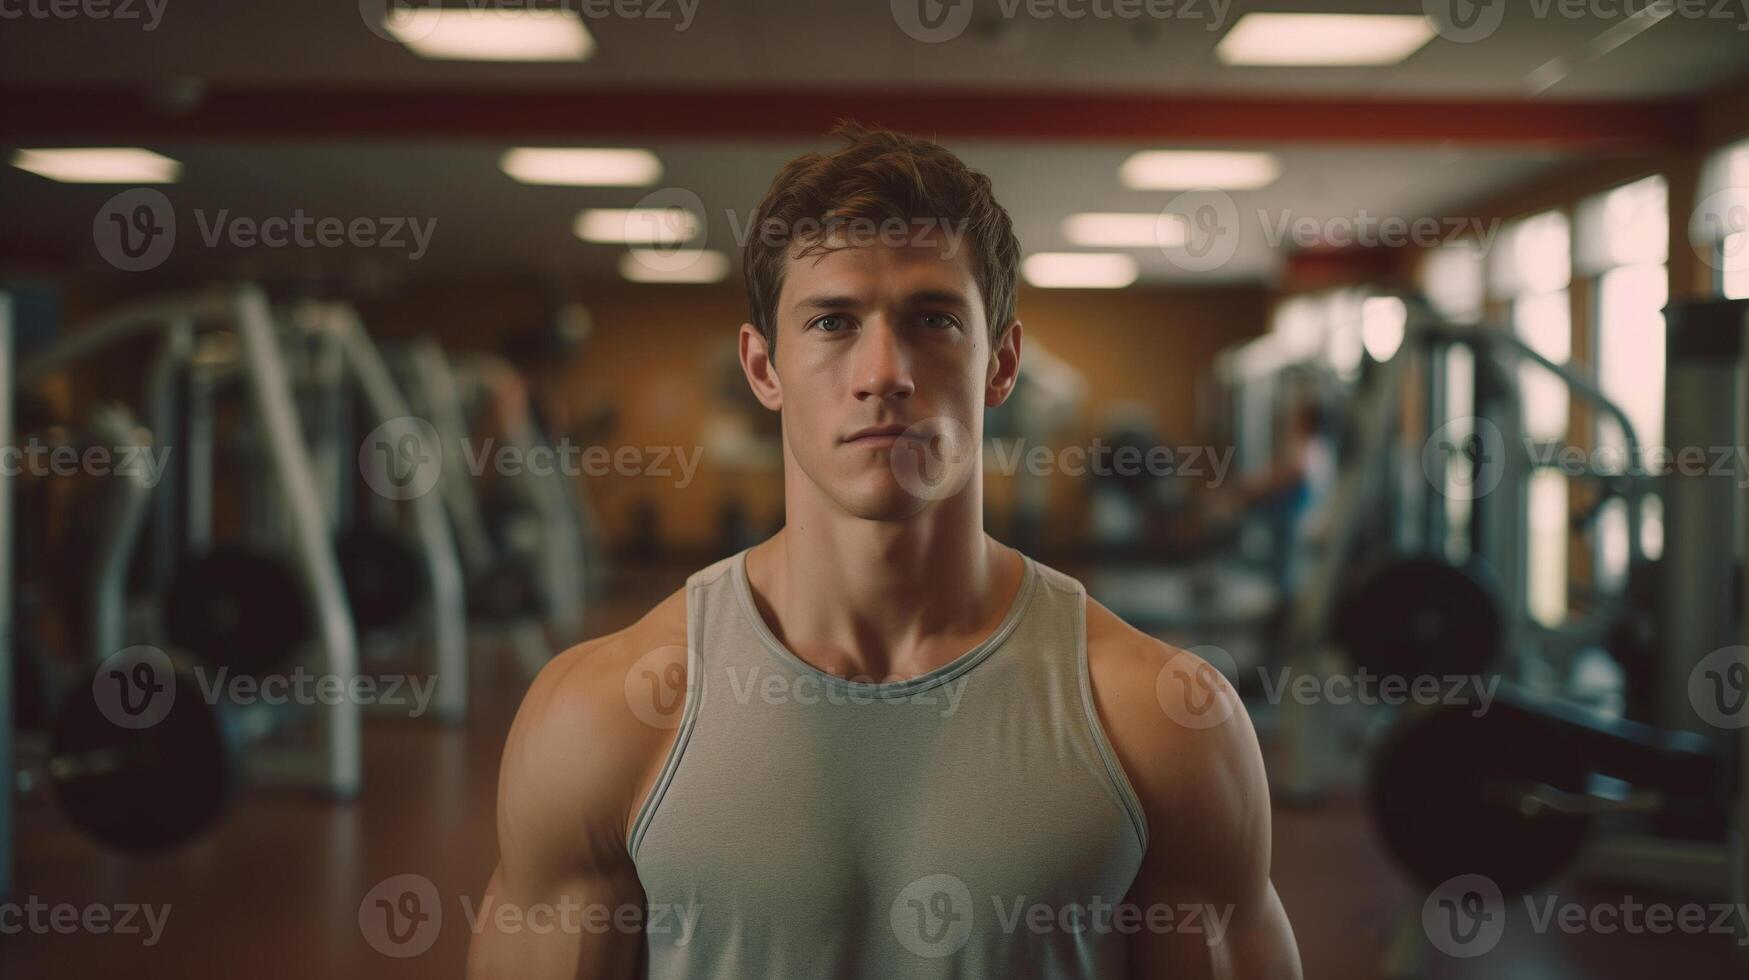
point(936, 321)
point(831, 324)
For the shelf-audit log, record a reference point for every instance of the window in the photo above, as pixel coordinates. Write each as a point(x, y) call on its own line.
point(1719, 226)
point(1624, 240)
point(1451, 278)
point(1531, 266)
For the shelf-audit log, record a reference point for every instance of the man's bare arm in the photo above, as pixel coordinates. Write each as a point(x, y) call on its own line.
point(1191, 753)
point(580, 758)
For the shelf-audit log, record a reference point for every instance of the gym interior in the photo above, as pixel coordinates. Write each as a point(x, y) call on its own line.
point(355, 359)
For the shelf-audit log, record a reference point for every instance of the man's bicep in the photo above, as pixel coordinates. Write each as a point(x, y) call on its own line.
point(565, 900)
point(571, 926)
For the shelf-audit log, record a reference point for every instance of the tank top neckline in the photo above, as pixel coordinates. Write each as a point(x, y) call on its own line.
point(891, 689)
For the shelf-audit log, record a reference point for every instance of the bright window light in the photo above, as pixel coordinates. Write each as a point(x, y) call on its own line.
point(1735, 253)
point(1324, 39)
point(1110, 230)
point(1079, 270)
point(582, 167)
point(647, 227)
point(1532, 255)
point(1181, 170)
point(701, 265)
point(458, 34)
point(1626, 226)
point(1452, 278)
point(100, 165)
point(1383, 320)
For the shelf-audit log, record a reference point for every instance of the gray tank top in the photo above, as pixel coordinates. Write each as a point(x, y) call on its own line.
point(970, 822)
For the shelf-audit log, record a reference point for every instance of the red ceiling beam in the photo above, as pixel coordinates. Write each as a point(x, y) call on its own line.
point(88, 116)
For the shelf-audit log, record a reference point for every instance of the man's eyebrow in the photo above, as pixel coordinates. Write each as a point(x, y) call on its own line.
point(827, 303)
point(938, 297)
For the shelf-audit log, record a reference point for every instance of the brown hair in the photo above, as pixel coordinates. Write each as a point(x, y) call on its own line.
point(878, 176)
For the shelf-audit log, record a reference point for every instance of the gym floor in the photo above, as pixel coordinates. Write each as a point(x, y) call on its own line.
point(304, 867)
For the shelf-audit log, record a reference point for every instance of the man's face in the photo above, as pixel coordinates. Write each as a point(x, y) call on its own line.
point(883, 368)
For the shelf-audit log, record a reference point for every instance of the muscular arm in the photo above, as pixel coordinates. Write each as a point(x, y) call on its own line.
point(1190, 752)
point(579, 759)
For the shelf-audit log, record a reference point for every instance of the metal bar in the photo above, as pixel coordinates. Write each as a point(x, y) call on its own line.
point(312, 535)
point(448, 602)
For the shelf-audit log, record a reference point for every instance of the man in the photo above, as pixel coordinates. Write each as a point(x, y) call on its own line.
point(880, 744)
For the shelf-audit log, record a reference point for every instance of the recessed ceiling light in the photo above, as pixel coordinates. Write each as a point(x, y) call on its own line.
point(1324, 39)
point(637, 226)
point(458, 34)
point(582, 167)
point(1079, 270)
point(1179, 170)
point(1113, 230)
point(100, 165)
point(699, 265)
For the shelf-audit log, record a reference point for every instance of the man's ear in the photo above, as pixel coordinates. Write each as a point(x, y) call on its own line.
point(761, 372)
point(1004, 369)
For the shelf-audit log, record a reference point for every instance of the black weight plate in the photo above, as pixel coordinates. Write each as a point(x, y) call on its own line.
point(148, 787)
point(1432, 802)
point(1416, 616)
point(383, 575)
point(238, 608)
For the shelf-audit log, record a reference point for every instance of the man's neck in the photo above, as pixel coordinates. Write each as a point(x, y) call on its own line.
point(884, 600)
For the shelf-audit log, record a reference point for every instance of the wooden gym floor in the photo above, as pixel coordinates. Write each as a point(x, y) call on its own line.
point(276, 891)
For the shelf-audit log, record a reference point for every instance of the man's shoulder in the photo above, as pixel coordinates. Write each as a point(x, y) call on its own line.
point(599, 717)
point(1174, 720)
